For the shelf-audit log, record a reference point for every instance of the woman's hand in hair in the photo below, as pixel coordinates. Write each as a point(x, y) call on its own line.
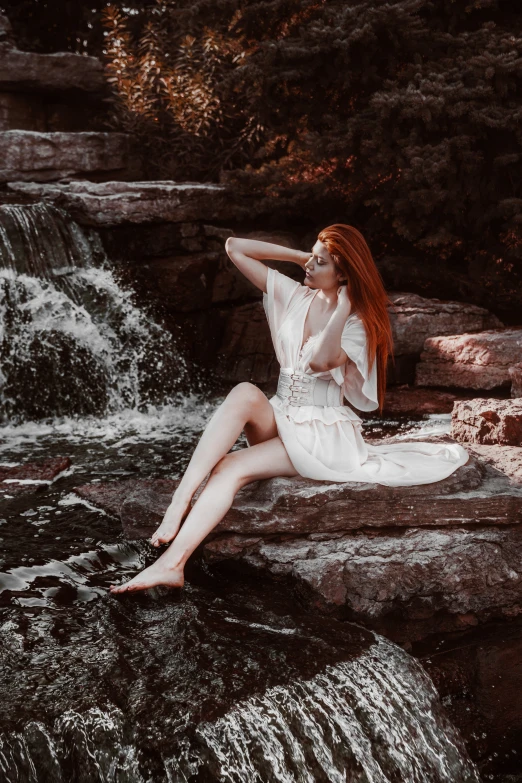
point(343, 302)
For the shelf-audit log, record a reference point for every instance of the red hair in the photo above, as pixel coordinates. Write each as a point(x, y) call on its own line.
point(352, 257)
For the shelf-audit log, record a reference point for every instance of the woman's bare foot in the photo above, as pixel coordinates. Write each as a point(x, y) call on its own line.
point(171, 523)
point(156, 574)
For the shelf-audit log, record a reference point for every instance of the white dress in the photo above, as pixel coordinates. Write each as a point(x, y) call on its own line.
point(325, 442)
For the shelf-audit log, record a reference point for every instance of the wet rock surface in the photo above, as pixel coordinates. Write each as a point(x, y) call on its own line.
point(474, 361)
point(42, 157)
point(30, 476)
point(488, 421)
point(410, 582)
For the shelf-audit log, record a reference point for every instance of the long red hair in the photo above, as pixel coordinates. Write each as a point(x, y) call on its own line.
point(353, 258)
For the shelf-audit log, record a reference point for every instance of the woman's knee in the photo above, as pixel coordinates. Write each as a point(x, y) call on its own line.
point(247, 394)
point(229, 466)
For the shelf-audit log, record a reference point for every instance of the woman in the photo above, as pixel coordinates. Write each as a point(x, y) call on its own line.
point(332, 338)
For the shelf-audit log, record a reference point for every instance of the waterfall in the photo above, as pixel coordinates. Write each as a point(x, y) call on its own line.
point(72, 341)
point(376, 719)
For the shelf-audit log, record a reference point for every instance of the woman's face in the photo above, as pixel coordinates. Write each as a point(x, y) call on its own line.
point(321, 271)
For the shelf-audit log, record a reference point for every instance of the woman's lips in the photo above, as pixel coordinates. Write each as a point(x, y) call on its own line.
point(308, 274)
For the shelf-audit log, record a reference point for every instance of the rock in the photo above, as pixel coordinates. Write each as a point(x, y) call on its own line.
point(515, 373)
point(378, 577)
point(415, 318)
point(28, 477)
point(28, 155)
point(487, 421)
point(415, 401)
point(118, 203)
point(30, 71)
point(475, 361)
point(406, 561)
point(503, 459)
point(477, 491)
point(246, 352)
point(109, 496)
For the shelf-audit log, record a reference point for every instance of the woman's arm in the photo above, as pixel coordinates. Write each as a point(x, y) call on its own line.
point(328, 349)
point(247, 254)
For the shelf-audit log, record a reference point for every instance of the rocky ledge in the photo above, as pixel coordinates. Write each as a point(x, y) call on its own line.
point(120, 203)
point(405, 561)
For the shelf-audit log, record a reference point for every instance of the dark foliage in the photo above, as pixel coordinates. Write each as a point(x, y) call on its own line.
point(401, 117)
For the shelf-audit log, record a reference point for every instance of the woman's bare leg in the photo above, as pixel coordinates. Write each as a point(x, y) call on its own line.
point(245, 408)
point(234, 470)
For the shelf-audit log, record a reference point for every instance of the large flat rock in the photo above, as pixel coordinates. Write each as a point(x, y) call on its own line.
point(415, 318)
point(119, 203)
point(487, 421)
point(488, 488)
point(43, 157)
point(475, 361)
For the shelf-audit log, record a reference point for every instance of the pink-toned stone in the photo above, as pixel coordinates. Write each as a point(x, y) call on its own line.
point(515, 373)
point(415, 318)
point(487, 421)
point(481, 360)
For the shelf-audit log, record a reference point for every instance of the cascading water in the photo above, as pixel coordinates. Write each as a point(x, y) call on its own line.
point(72, 342)
point(376, 719)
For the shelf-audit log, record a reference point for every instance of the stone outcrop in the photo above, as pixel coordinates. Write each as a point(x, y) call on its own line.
point(119, 203)
point(487, 421)
point(40, 157)
point(409, 556)
point(30, 476)
point(415, 318)
point(475, 361)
